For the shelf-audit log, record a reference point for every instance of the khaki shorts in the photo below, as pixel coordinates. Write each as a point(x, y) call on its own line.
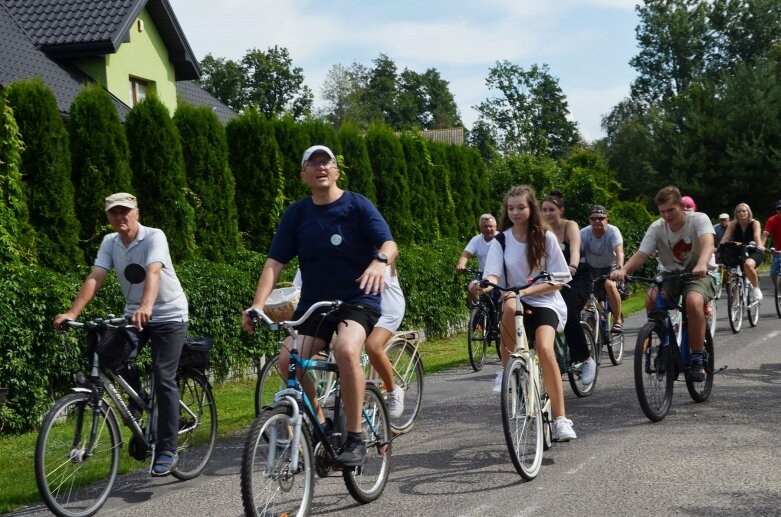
point(706, 286)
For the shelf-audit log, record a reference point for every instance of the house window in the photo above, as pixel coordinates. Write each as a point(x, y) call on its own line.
point(138, 89)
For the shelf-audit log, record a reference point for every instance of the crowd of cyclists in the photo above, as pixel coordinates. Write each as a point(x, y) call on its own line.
point(345, 251)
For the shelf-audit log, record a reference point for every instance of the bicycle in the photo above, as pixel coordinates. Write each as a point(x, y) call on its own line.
point(740, 293)
point(406, 363)
point(280, 460)
point(660, 357)
point(599, 318)
point(483, 326)
point(777, 287)
point(574, 369)
point(526, 408)
point(78, 446)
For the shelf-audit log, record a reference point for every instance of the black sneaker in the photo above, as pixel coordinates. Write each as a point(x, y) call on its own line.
point(353, 455)
point(697, 371)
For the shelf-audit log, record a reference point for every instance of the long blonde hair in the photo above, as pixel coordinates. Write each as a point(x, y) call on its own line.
point(536, 226)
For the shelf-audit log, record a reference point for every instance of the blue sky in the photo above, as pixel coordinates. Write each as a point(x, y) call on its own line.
point(586, 43)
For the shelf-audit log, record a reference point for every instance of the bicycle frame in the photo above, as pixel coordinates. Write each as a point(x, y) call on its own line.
point(661, 315)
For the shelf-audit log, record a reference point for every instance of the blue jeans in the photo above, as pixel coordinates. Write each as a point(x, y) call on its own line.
point(775, 266)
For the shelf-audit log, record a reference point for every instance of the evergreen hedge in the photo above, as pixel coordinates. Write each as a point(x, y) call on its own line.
point(100, 161)
point(46, 174)
point(205, 153)
point(158, 175)
point(448, 221)
point(357, 166)
point(424, 202)
point(292, 139)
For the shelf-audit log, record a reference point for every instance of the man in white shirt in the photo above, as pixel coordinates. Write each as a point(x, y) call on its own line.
point(478, 246)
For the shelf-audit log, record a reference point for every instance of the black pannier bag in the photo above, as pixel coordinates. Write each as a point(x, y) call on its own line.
point(731, 254)
point(196, 352)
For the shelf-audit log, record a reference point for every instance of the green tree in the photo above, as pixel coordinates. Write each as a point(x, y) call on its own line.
point(256, 163)
point(100, 161)
point(448, 221)
point(390, 176)
point(159, 179)
point(424, 201)
point(357, 165)
point(381, 92)
point(46, 172)
point(224, 79)
point(16, 235)
point(540, 172)
point(292, 139)
point(528, 112)
point(343, 90)
point(205, 154)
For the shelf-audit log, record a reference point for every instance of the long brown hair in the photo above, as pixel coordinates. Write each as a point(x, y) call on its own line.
point(536, 227)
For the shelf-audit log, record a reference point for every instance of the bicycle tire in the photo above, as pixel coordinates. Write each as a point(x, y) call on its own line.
point(197, 425)
point(407, 373)
point(68, 488)
point(521, 421)
point(269, 486)
point(735, 306)
point(615, 342)
point(477, 337)
point(574, 373)
point(700, 391)
point(654, 373)
point(777, 296)
point(752, 306)
point(366, 483)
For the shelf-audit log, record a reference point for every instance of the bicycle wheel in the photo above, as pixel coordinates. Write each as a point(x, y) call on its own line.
point(712, 320)
point(700, 391)
point(615, 342)
point(719, 282)
point(477, 337)
point(574, 373)
point(407, 373)
point(777, 296)
point(653, 372)
point(75, 469)
point(752, 305)
point(197, 425)
point(735, 306)
point(270, 484)
point(521, 421)
point(366, 483)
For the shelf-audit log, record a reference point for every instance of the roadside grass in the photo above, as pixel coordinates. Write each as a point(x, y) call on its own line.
point(235, 406)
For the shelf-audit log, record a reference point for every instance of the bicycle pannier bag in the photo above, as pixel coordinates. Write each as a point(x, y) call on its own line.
point(196, 352)
point(730, 254)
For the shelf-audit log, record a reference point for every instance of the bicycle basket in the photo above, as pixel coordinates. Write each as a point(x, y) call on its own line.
point(196, 352)
point(115, 347)
point(281, 303)
point(731, 253)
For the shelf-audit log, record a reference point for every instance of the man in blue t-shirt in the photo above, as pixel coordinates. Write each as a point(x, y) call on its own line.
point(343, 245)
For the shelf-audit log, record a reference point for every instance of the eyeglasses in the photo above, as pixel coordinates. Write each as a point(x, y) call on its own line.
point(319, 163)
point(596, 219)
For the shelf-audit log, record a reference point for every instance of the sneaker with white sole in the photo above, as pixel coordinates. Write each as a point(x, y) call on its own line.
point(562, 430)
point(588, 371)
point(498, 382)
point(396, 402)
point(757, 294)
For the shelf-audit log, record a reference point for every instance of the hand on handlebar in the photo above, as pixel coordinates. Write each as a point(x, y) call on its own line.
point(248, 318)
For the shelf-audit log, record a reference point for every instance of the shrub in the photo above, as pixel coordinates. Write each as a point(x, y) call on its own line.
point(292, 139)
point(100, 161)
point(46, 172)
point(448, 222)
point(357, 166)
point(424, 202)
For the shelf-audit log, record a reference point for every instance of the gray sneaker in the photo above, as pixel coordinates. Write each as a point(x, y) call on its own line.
point(562, 430)
point(353, 455)
point(588, 371)
point(396, 402)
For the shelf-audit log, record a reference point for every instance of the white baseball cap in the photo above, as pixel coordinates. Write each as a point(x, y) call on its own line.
point(316, 149)
point(121, 199)
point(723, 216)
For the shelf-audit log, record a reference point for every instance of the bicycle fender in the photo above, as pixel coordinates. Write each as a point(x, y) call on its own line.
point(81, 390)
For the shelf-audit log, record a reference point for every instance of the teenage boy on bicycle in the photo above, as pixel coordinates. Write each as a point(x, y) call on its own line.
point(343, 245)
point(684, 242)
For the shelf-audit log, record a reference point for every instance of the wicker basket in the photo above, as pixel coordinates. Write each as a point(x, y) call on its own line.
point(281, 303)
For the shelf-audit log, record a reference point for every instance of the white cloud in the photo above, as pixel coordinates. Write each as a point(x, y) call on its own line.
point(588, 106)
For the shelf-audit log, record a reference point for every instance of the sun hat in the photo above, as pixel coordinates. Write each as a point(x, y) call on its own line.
point(121, 199)
point(316, 149)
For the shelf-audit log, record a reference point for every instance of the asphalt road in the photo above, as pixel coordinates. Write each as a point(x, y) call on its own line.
point(717, 458)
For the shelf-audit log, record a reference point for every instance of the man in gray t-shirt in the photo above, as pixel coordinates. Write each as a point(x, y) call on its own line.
point(155, 304)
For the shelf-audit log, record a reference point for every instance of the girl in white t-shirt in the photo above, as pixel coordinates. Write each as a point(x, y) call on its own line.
point(529, 249)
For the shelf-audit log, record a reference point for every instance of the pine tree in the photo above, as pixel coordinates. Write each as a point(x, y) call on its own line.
point(46, 171)
point(448, 222)
point(424, 203)
point(292, 139)
point(158, 175)
point(357, 165)
point(100, 161)
point(205, 152)
point(257, 168)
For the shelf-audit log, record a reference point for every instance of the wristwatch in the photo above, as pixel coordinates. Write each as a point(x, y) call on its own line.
point(382, 257)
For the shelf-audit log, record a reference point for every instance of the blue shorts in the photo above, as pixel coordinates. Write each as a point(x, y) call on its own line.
point(775, 266)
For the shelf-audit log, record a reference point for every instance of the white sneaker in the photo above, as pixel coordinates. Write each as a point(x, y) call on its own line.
point(498, 382)
point(562, 430)
point(396, 402)
point(757, 294)
point(588, 371)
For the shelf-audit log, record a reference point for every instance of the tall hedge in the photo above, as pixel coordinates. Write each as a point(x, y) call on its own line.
point(390, 176)
point(474, 162)
point(158, 175)
point(257, 168)
point(100, 161)
point(424, 202)
point(463, 187)
point(448, 222)
point(46, 172)
point(357, 165)
point(292, 139)
point(205, 152)
point(16, 234)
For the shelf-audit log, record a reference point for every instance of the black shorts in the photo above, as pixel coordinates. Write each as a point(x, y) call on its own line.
point(535, 317)
point(323, 326)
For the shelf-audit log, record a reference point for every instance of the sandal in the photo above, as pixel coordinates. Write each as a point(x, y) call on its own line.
point(618, 327)
point(164, 463)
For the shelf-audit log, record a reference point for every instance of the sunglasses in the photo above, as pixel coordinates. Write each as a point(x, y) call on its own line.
point(596, 219)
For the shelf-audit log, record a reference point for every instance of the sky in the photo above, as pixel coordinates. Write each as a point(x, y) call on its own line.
point(587, 44)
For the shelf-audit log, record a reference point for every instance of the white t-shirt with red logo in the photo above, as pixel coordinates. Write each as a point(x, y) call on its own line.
point(678, 251)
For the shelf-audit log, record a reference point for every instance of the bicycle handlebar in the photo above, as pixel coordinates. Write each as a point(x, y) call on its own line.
point(660, 279)
point(97, 323)
point(550, 278)
point(255, 315)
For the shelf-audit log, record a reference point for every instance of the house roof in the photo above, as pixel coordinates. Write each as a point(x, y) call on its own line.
point(191, 93)
point(85, 28)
